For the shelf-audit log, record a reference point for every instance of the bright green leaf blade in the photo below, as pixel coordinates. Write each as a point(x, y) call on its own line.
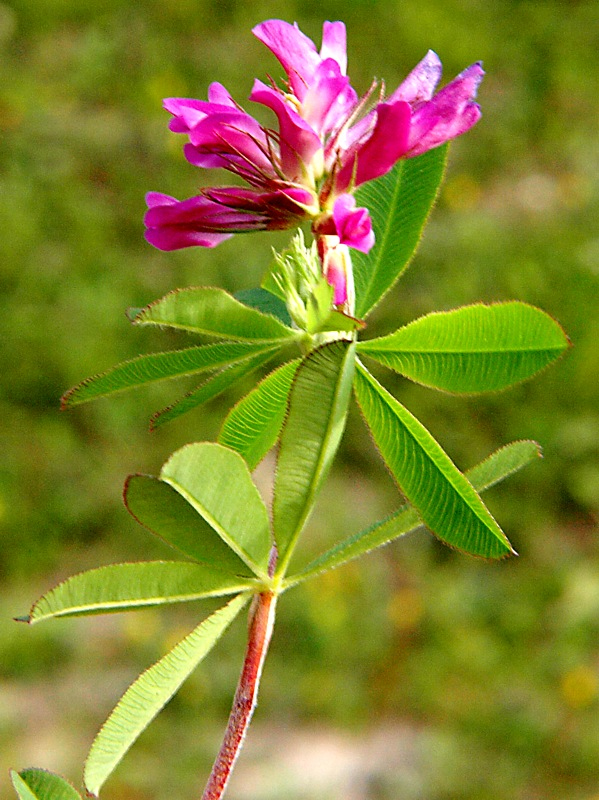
point(498, 466)
point(432, 483)
point(266, 302)
point(164, 512)
point(146, 697)
point(130, 587)
point(399, 204)
point(253, 426)
point(311, 434)
point(38, 784)
point(476, 348)
point(210, 389)
point(213, 312)
point(160, 366)
point(502, 463)
point(217, 483)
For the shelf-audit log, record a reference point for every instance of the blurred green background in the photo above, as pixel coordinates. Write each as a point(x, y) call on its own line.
point(416, 673)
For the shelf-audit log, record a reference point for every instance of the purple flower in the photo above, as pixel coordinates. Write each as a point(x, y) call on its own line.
point(328, 142)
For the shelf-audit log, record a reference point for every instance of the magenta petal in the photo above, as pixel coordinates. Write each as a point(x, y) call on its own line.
point(216, 214)
point(298, 141)
point(420, 84)
point(337, 278)
point(186, 112)
point(450, 113)
point(178, 238)
point(330, 98)
point(385, 145)
point(232, 140)
point(219, 95)
point(295, 51)
point(353, 225)
point(172, 224)
point(202, 213)
point(284, 204)
point(334, 44)
point(159, 199)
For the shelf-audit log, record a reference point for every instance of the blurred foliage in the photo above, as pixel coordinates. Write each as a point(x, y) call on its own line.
point(494, 668)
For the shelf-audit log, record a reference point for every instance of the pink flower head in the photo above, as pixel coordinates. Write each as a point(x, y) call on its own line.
point(328, 141)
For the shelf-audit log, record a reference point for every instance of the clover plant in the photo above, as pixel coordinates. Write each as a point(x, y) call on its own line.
point(355, 177)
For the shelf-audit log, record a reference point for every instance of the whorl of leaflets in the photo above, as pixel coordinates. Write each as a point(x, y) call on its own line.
point(329, 141)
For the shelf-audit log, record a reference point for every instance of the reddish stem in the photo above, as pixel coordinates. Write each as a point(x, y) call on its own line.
point(260, 629)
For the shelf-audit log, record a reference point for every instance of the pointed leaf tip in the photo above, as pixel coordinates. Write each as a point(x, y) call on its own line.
point(476, 348)
point(162, 366)
point(213, 312)
point(444, 498)
point(495, 468)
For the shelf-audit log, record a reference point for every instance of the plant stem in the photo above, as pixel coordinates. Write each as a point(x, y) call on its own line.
point(262, 615)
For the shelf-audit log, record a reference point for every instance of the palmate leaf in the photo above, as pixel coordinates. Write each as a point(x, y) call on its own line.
point(160, 366)
point(311, 434)
point(210, 389)
point(146, 697)
point(130, 587)
point(498, 466)
point(399, 204)
point(164, 512)
point(253, 426)
point(217, 483)
point(476, 348)
point(443, 497)
point(38, 784)
point(213, 312)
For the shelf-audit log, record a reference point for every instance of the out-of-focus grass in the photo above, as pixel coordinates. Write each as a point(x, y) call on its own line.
point(495, 668)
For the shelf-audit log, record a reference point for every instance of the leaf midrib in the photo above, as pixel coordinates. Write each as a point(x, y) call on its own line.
point(447, 351)
point(475, 509)
point(380, 250)
point(142, 603)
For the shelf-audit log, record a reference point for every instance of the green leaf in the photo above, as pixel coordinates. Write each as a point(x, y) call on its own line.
point(160, 366)
point(38, 784)
point(311, 434)
point(442, 495)
point(498, 466)
point(210, 389)
point(164, 512)
point(253, 426)
point(213, 312)
point(130, 587)
point(399, 204)
point(477, 348)
point(502, 463)
point(146, 697)
point(266, 302)
point(217, 483)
